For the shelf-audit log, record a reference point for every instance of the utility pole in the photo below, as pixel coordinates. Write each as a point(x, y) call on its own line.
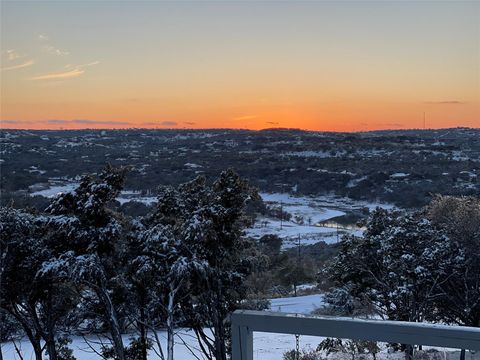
point(298, 245)
point(298, 266)
point(281, 215)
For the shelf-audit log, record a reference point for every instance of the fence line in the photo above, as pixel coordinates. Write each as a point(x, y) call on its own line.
point(245, 322)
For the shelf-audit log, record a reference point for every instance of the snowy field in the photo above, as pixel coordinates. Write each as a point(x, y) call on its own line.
point(329, 202)
point(266, 346)
point(311, 211)
point(303, 228)
point(299, 305)
point(55, 189)
point(125, 196)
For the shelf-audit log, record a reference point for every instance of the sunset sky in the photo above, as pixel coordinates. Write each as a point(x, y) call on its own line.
point(343, 66)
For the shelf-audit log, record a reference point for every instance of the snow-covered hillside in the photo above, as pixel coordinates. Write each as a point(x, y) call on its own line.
point(308, 214)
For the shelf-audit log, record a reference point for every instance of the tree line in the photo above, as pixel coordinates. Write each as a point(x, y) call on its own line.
point(412, 266)
point(82, 266)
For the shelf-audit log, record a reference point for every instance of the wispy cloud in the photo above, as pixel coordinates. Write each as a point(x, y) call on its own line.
point(388, 124)
point(11, 121)
point(272, 122)
point(99, 122)
point(55, 51)
point(75, 71)
point(245, 117)
point(88, 64)
point(19, 66)
point(190, 122)
point(49, 48)
point(159, 123)
point(168, 123)
point(59, 75)
point(445, 102)
point(12, 54)
point(86, 122)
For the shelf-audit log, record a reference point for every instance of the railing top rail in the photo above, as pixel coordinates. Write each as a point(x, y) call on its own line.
point(359, 329)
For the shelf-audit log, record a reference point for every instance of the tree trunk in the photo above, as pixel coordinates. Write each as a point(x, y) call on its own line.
point(37, 348)
point(34, 338)
point(143, 337)
point(51, 349)
point(462, 354)
point(159, 344)
point(113, 323)
point(217, 319)
point(170, 325)
point(49, 335)
point(408, 352)
point(220, 338)
point(220, 351)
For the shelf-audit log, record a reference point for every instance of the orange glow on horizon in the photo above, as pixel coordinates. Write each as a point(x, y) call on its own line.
point(327, 117)
point(331, 66)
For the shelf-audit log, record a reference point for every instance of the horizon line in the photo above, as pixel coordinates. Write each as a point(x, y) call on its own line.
point(242, 129)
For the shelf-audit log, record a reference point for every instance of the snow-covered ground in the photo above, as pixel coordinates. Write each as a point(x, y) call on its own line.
point(125, 196)
point(326, 201)
point(147, 200)
point(308, 213)
point(303, 227)
point(299, 305)
point(54, 190)
point(287, 230)
point(304, 207)
point(266, 346)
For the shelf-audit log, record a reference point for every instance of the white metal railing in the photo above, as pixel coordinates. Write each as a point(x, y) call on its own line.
point(245, 322)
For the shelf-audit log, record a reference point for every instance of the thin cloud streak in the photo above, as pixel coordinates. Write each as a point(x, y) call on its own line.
point(86, 122)
point(11, 121)
point(76, 71)
point(19, 66)
point(447, 102)
point(86, 65)
point(55, 51)
point(245, 117)
point(168, 123)
point(59, 75)
point(13, 54)
point(49, 48)
point(160, 123)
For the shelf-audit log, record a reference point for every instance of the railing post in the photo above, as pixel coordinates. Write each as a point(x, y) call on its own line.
point(242, 341)
point(245, 322)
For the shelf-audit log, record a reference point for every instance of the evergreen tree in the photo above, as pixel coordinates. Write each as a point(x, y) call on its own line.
point(459, 302)
point(459, 218)
point(90, 243)
point(396, 267)
point(40, 304)
point(207, 222)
